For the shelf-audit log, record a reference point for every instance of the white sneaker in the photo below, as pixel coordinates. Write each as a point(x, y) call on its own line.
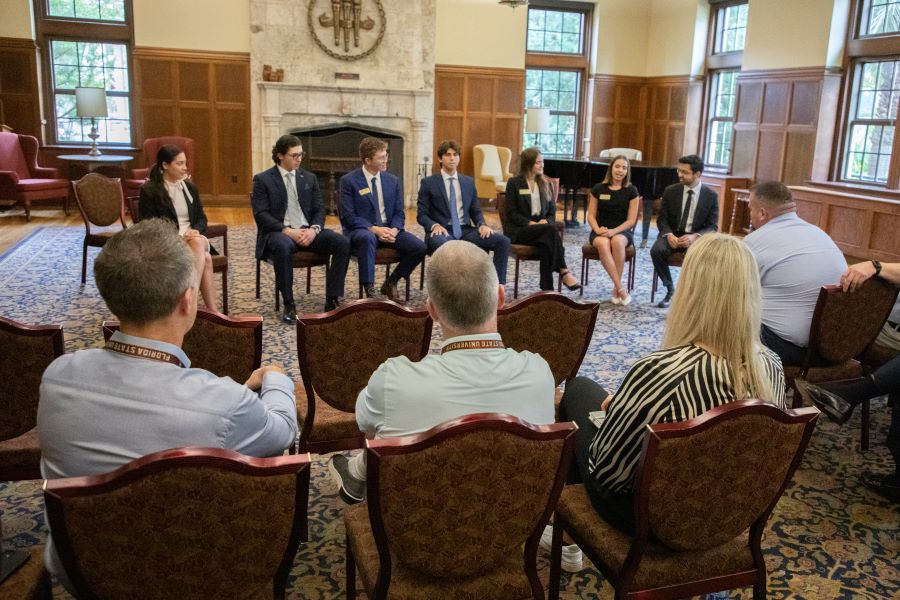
point(572, 558)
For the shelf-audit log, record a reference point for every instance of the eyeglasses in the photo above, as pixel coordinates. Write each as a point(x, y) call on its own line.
point(296, 155)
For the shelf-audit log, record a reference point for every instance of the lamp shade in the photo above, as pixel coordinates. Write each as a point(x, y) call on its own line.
point(537, 120)
point(90, 102)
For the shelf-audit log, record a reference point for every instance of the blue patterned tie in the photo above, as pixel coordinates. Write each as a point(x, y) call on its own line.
point(378, 221)
point(454, 213)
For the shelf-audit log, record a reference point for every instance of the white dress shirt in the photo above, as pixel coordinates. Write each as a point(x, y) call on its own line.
point(379, 193)
point(293, 199)
point(695, 199)
point(458, 191)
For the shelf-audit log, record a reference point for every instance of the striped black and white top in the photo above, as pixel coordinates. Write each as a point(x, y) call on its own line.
point(664, 387)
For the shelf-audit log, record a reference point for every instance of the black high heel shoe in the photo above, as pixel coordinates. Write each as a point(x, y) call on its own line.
point(572, 288)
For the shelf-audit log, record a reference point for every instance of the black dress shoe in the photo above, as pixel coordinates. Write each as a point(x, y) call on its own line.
point(389, 291)
point(665, 302)
point(835, 408)
point(290, 313)
point(331, 303)
point(371, 292)
point(885, 485)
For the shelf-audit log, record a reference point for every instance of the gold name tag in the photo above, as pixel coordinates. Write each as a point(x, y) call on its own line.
point(605, 197)
point(524, 192)
point(364, 191)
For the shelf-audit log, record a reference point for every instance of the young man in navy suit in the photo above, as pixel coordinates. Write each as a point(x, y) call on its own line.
point(372, 216)
point(287, 206)
point(464, 220)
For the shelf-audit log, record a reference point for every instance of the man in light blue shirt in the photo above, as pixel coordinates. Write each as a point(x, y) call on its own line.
point(102, 408)
point(795, 260)
point(474, 373)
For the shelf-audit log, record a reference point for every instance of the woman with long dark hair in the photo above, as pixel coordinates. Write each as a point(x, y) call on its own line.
point(530, 218)
point(169, 194)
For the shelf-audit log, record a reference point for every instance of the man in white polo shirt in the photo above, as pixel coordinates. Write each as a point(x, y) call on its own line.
point(795, 260)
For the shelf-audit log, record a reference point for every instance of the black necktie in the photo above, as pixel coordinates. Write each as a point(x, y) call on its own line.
point(687, 211)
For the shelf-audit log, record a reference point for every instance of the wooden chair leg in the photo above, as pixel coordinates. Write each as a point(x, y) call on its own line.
point(351, 571)
point(584, 267)
point(422, 275)
point(516, 281)
point(555, 559)
point(225, 291)
point(864, 424)
point(653, 287)
point(84, 263)
point(308, 279)
point(28, 213)
point(407, 289)
point(257, 278)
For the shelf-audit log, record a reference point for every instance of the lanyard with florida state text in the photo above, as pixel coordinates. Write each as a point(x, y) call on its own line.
point(472, 345)
point(142, 352)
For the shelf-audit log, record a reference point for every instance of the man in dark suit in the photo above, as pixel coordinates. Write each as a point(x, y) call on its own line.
point(464, 221)
point(287, 206)
point(688, 210)
point(372, 216)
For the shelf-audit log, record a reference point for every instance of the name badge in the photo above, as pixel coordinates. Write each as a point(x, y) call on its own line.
point(604, 197)
point(364, 191)
point(524, 192)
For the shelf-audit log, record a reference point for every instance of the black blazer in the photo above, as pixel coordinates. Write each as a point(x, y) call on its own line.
point(155, 203)
point(706, 215)
point(269, 201)
point(518, 207)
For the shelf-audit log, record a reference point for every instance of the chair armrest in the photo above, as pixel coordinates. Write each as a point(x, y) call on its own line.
point(139, 173)
point(8, 181)
point(46, 173)
point(214, 230)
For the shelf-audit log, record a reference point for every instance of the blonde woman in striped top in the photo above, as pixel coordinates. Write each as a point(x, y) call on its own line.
point(711, 355)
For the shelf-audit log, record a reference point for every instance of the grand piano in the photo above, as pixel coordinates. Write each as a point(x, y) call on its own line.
point(575, 174)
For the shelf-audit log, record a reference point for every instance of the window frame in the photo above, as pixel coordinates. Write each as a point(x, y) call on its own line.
point(862, 14)
point(556, 61)
point(557, 113)
point(718, 26)
point(50, 28)
point(712, 102)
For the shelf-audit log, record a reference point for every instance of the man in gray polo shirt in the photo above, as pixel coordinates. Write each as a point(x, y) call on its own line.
point(474, 372)
point(795, 260)
point(102, 408)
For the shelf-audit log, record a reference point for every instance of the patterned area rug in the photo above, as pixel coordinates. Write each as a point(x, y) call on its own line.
point(829, 537)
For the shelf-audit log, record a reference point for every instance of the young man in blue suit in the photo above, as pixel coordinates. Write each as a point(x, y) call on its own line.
point(372, 216)
point(287, 206)
point(464, 221)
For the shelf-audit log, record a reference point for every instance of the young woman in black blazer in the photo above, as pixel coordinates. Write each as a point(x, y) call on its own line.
point(531, 216)
point(168, 194)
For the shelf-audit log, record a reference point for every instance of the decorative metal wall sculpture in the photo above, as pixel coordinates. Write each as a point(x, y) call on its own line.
point(347, 29)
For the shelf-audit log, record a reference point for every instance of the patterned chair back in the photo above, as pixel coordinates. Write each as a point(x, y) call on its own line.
point(551, 325)
point(339, 351)
point(225, 346)
point(182, 523)
point(100, 200)
point(463, 498)
point(704, 481)
point(845, 324)
point(25, 352)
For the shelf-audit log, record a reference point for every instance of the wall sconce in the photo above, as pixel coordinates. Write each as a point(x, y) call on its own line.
point(91, 102)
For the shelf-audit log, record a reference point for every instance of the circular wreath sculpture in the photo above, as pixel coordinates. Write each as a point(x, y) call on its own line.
point(310, 20)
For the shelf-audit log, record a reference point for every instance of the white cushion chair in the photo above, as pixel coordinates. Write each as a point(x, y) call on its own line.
point(629, 153)
point(491, 169)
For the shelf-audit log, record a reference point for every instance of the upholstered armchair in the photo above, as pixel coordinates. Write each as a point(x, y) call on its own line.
point(101, 204)
point(491, 169)
point(22, 181)
point(137, 177)
point(629, 153)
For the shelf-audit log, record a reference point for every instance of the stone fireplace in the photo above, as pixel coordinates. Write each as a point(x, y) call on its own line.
point(390, 92)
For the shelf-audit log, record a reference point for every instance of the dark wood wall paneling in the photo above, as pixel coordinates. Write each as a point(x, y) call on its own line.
point(645, 113)
point(204, 96)
point(479, 105)
point(777, 118)
point(19, 106)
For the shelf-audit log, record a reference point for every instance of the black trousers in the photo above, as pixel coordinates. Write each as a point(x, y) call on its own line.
point(648, 215)
point(581, 397)
point(549, 246)
point(660, 253)
point(887, 381)
point(281, 248)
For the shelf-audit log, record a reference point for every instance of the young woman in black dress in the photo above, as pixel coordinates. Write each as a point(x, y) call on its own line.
point(612, 212)
point(531, 216)
point(169, 194)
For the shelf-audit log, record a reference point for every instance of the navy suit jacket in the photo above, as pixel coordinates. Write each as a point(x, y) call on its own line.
point(434, 205)
point(359, 205)
point(269, 201)
point(706, 215)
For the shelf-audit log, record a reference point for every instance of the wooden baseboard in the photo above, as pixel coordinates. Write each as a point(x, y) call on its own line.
point(227, 200)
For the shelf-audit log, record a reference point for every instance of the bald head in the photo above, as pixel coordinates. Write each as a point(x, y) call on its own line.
point(462, 285)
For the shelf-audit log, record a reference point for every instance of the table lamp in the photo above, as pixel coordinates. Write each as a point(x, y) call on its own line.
point(537, 120)
point(91, 102)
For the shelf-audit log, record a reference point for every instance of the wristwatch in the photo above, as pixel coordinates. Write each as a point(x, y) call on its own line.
point(877, 265)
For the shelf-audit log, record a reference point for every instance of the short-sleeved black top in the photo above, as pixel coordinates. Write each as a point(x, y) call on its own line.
point(612, 205)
